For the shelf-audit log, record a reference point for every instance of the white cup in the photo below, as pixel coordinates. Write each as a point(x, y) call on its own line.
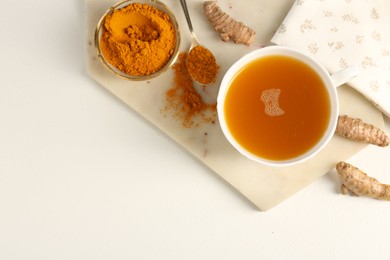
point(330, 83)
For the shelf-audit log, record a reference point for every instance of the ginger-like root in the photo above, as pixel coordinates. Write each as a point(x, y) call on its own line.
point(360, 184)
point(356, 129)
point(227, 26)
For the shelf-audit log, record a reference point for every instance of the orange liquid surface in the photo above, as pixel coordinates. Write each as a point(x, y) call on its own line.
point(302, 108)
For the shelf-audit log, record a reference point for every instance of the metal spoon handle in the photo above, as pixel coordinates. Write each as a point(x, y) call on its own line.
point(187, 15)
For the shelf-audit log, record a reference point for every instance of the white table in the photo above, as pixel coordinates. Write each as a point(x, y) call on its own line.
point(84, 177)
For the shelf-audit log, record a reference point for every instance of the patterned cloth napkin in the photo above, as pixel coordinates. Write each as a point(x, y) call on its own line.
point(339, 33)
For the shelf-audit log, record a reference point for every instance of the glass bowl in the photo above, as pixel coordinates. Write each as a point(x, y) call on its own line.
point(98, 34)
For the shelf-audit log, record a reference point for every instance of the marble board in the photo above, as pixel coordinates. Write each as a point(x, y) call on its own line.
point(263, 186)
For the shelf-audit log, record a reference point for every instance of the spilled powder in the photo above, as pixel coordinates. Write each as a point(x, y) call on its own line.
point(184, 102)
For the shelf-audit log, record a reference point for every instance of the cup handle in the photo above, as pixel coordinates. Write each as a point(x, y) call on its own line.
point(342, 76)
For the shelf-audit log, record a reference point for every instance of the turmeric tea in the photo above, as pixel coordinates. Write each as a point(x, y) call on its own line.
point(138, 39)
point(277, 117)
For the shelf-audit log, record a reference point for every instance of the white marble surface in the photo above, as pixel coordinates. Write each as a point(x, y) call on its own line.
point(82, 176)
point(263, 186)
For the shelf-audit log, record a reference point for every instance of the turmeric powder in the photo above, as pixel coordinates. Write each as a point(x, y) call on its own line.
point(356, 129)
point(138, 39)
point(227, 26)
point(359, 183)
point(184, 101)
point(201, 65)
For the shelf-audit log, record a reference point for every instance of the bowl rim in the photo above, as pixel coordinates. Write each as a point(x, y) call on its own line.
point(240, 64)
point(160, 6)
